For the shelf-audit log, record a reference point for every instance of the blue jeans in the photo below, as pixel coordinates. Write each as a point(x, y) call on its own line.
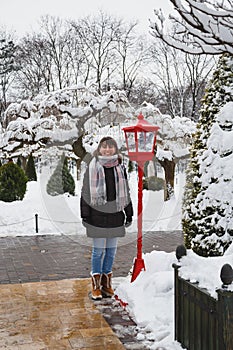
point(103, 254)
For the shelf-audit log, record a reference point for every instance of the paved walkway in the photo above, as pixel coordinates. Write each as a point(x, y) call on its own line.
point(56, 257)
point(53, 315)
point(44, 293)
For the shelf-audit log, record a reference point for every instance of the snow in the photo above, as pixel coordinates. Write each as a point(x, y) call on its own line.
point(32, 124)
point(150, 297)
point(60, 214)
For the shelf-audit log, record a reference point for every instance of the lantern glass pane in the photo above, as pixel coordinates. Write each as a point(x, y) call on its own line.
point(131, 141)
point(141, 141)
point(145, 141)
point(150, 141)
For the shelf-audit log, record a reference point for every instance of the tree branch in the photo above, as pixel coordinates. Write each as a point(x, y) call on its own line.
point(201, 28)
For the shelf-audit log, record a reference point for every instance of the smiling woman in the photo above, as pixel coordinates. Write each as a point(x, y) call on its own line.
point(23, 16)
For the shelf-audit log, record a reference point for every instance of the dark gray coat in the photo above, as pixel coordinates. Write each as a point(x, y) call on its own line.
point(105, 220)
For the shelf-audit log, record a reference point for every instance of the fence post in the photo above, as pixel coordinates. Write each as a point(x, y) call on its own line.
point(225, 305)
point(176, 302)
point(36, 221)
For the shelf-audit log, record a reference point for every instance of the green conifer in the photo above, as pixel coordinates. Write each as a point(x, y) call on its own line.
point(19, 163)
point(13, 182)
point(61, 181)
point(30, 169)
point(130, 166)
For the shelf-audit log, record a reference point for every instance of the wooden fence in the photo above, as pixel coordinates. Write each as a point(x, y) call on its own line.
point(201, 321)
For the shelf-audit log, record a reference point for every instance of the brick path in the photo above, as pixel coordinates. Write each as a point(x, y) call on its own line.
point(56, 257)
point(53, 258)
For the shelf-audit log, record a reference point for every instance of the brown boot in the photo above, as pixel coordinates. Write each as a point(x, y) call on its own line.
point(106, 285)
point(96, 292)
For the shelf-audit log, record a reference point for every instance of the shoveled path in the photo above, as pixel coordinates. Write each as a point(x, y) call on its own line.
point(56, 257)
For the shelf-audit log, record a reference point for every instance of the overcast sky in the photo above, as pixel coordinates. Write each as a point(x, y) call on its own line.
point(23, 15)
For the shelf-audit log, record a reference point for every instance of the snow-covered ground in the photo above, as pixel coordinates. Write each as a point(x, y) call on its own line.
point(60, 214)
point(150, 297)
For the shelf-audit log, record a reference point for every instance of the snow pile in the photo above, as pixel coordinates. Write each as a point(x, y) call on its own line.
point(150, 297)
point(205, 271)
point(56, 215)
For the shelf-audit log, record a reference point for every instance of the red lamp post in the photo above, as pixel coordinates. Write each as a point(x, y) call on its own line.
point(140, 141)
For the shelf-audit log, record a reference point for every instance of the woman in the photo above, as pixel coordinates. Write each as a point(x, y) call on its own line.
point(106, 209)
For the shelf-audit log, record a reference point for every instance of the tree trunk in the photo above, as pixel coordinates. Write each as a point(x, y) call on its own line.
point(80, 152)
point(78, 167)
point(24, 162)
point(169, 170)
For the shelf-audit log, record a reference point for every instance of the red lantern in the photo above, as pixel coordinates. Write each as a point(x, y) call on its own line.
point(140, 141)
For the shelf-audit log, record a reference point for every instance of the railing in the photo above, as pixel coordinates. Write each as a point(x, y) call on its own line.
point(201, 321)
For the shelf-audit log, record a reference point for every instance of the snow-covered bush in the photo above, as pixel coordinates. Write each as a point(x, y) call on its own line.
point(173, 141)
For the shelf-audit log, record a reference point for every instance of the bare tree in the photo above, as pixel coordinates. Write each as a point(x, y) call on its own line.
point(35, 75)
point(179, 79)
point(131, 49)
point(56, 35)
point(143, 90)
point(8, 66)
point(50, 59)
point(76, 58)
point(203, 27)
point(92, 49)
point(97, 36)
point(199, 68)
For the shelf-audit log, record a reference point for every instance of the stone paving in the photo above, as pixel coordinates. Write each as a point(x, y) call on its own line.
point(45, 293)
point(53, 315)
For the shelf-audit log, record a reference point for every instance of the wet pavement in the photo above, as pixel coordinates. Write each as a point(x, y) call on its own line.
point(45, 293)
point(53, 315)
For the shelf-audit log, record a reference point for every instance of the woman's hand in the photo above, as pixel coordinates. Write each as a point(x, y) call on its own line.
point(84, 222)
point(128, 222)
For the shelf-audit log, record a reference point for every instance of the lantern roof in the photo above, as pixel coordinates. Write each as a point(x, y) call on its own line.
point(142, 125)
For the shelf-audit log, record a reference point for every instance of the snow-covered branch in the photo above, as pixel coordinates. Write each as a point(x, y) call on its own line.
point(174, 135)
point(55, 119)
point(201, 27)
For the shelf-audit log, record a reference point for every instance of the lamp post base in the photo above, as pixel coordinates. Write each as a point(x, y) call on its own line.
point(138, 267)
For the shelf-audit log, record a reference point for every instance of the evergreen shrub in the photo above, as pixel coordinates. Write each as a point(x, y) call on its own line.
point(30, 169)
point(130, 166)
point(61, 181)
point(18, 162)
point(153, 183)
point(13, 182)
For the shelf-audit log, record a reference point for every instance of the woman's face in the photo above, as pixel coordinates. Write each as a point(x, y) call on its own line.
point(107, 150)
